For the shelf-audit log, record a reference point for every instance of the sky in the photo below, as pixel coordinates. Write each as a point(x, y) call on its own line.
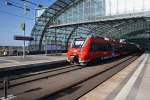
point(12, 17)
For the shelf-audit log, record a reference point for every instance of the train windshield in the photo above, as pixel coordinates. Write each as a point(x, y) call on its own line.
point(78, 43)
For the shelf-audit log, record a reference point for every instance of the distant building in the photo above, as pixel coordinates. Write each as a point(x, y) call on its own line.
point(11, 50)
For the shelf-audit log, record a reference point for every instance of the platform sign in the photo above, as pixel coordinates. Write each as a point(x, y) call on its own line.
point(27, 38)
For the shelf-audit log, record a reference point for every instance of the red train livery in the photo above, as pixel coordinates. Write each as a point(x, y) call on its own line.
point(84, 50)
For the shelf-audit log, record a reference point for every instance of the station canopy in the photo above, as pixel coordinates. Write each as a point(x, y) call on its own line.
point(64, 20)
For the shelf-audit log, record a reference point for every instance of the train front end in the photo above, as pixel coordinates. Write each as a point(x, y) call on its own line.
point(78, 51)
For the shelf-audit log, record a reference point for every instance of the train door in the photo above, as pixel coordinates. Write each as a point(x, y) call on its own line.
point(91, 51)
point(113, 50)
point(97, 51)
point(116, 50)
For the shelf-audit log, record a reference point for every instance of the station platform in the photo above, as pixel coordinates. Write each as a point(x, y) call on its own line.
point(12, 62)
point(132, 83)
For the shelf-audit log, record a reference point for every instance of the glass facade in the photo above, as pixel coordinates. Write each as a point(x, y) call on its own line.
point(85, 10)
point(51, 32)
point(64, 12)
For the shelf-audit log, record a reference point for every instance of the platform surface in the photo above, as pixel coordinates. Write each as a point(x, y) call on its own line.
point(132, 83)
point(11, 61)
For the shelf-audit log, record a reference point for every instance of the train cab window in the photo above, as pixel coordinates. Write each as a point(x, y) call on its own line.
point(78, 43)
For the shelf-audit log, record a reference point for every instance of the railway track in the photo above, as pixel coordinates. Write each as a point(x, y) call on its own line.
point(53, 83)
point(29, 77)
point(87, 85)
point(26, 69)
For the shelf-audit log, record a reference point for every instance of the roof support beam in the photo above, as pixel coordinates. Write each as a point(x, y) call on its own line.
point(74, 29)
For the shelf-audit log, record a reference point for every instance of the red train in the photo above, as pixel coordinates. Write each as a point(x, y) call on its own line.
point(84, 50)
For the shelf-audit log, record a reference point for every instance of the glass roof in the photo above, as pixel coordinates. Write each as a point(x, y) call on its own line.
point(103, 27)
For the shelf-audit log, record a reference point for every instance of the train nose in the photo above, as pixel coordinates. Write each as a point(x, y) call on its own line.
point(74, 59)
point(71, 59)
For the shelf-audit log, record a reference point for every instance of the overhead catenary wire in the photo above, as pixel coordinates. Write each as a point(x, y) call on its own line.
point(32, 3)
point(12, 14)
point(9, 3)
point(19, 5)
point(16, 3)
point(29, 2)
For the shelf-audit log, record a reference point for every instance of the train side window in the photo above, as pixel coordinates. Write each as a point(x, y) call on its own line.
point(103, 47)
point(96, 47)
point(100, 47)
point(110, 47)
point(107, 47)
